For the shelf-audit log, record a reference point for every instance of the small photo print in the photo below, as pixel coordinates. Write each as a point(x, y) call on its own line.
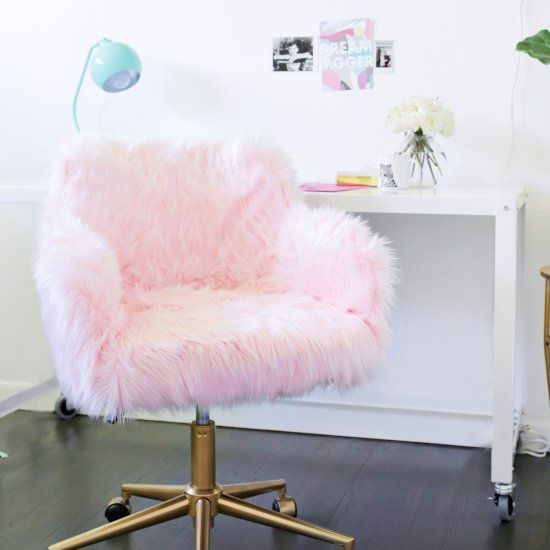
point(385, 56)
point(293, 53)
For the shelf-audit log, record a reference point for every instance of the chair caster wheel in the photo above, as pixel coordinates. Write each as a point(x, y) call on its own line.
point(506, 507)
point(62, 409)
point(117, 509)
point(286, 506)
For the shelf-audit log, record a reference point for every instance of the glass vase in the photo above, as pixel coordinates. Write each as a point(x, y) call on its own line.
point(429, 159)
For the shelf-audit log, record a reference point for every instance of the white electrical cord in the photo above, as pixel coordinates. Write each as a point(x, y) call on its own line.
point(532, 443)
point(513, 98)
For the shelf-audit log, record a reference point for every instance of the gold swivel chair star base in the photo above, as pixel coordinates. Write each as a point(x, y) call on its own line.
point(203, 499)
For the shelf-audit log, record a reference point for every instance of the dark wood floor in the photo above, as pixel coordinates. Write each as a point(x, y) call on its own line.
point(389, 495)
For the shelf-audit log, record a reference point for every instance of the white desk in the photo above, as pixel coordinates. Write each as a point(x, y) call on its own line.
point(507, 208)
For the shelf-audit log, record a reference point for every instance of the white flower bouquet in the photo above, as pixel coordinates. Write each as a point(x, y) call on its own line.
point(420, 119)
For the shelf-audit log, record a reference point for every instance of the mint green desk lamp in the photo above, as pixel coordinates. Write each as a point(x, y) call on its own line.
point(114, 67)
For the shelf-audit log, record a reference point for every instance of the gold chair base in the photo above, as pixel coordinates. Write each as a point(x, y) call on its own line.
point(202, 500)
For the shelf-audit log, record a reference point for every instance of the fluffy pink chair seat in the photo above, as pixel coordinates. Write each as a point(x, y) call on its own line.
point(175, 275)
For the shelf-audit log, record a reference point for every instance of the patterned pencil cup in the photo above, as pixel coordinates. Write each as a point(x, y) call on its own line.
point(396, 172)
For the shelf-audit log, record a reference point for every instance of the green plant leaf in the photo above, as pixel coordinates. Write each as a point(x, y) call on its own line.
point(537, 46)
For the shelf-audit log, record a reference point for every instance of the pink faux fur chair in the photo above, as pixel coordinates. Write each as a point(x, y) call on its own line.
point(174, 276)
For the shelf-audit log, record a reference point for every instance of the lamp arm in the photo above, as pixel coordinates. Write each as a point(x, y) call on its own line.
point(77, 93)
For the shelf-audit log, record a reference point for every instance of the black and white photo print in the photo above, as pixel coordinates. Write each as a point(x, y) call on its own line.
point(291, 53)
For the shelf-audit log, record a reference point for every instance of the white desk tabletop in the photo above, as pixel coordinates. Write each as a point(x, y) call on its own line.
point(465, 201)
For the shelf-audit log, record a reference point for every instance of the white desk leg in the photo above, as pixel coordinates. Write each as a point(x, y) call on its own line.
point(504, 361)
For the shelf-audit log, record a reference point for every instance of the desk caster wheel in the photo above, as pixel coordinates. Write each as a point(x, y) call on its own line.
point(506, 507)
point(117, 509)
point(286, 506)
point(62, 409)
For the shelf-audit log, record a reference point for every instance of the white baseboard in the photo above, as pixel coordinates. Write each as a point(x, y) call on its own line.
point(400, 424)
point(7, 389)
point(540, 425)
point(18, 395)
point(447, 427)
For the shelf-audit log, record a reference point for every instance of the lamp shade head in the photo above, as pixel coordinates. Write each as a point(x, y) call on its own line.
point(114, 66)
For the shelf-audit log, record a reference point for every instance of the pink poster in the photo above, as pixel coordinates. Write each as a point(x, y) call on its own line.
point(346, 55)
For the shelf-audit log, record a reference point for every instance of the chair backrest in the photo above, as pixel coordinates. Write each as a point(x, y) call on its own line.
point(178, 213)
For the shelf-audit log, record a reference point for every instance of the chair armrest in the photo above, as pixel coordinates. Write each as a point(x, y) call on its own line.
point(78, 280)
point(335, 257)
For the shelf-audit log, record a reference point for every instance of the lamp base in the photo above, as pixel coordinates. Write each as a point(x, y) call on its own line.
point(202, 499)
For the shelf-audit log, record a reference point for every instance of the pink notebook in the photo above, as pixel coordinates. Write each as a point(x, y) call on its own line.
point(328, 187)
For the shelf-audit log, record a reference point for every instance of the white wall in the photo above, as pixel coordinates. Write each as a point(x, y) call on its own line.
point(206, 73)
point(530, 165)
point(24, 355)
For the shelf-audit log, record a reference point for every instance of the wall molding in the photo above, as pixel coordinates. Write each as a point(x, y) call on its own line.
point(16, 395)
point(363, 420)
point(539, 425)
point(33, 193)
point(384, 406)
point(311, 416)
point(463, 428)
point(467, 428)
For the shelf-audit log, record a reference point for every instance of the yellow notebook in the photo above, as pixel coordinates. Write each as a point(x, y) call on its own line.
point(369, 181)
